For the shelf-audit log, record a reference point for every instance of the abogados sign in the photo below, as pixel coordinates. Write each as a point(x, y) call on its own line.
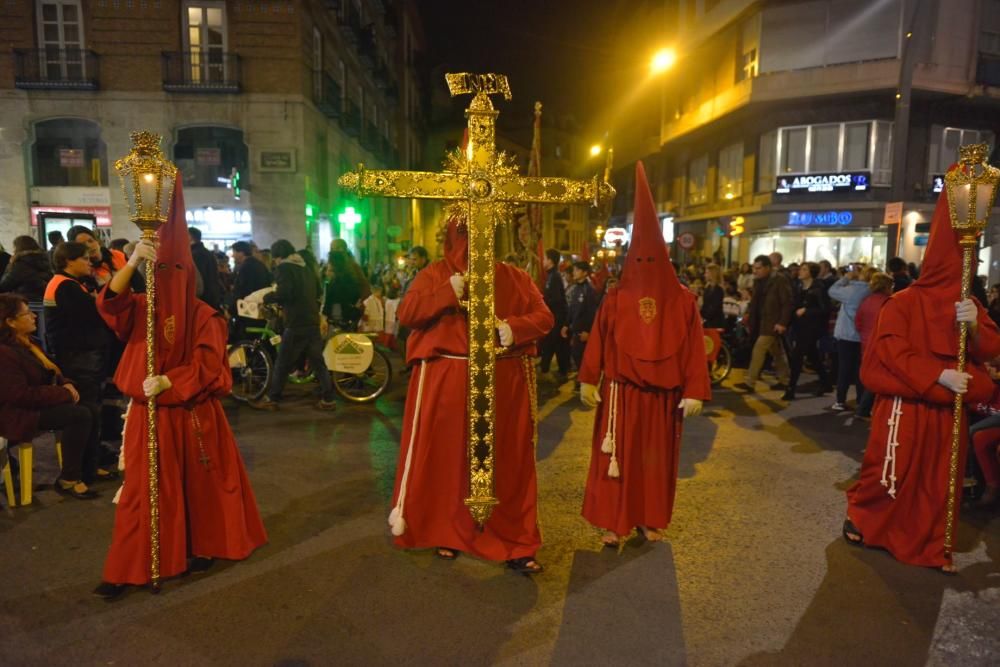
point(855, 181)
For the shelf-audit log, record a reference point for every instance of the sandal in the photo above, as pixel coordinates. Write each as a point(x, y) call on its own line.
point(610, 541)
point(104, 475)
point(446, 553)
point(526, 565)
point(852, 534)
point(649, 534)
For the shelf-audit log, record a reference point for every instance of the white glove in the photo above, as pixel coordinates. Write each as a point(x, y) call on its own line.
point(967, 311)
point(590, 394)
point(506, 334)
point(155, 384)
point(458, 284)
point(952, 379)
point(690, 407)
point(144, 250)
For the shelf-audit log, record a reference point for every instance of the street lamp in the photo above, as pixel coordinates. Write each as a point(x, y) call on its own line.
point(595, 150)
point(599, 234)
point(663, 60)
point(148, 180)
point(971, 187)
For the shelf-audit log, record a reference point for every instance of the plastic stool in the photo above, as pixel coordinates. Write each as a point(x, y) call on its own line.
point(26, 461)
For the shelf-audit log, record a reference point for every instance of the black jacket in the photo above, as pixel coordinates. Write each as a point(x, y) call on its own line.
point(582, 299)
point(75, 334)
point(296, 293)
point(711, 307)
point(251, 276)
point(208, 268)
point(555, 297)
point(814, 324)
point(27, 275)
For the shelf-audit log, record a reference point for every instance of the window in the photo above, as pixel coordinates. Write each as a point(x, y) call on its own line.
point(205, 41)
point(830, 147)
point(317, 63)
point(731, 171)
point(697, 187)
point(69, 151)
point(945, 142)
point(206, 155)
point(60, 38)
point(746, 62)
point(767, 157)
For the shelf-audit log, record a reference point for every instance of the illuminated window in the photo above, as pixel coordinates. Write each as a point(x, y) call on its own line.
point(731, 171)
point(697, 184)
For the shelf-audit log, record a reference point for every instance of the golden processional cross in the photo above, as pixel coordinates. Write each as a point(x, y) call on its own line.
point(484, 186)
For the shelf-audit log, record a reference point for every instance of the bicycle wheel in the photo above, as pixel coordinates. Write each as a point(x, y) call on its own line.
point(718, 370)
point(368, 385)
point(252, 371)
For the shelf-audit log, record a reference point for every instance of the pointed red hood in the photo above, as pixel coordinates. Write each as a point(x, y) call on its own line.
point(649, 293)
point(456, 246)
point(176, 302)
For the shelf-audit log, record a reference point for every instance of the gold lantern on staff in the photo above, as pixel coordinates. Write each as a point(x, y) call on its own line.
point(971, 188)
point(147, 179)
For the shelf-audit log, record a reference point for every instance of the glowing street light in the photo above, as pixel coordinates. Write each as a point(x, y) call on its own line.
point(663, 60)
point(595, 150)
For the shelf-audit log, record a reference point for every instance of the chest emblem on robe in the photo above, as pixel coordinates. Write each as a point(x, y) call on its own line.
point(647, 309)
point(169, 329)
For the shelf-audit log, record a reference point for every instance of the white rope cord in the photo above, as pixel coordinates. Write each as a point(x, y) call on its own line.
point(610, 445)
point(396, 521)
point(891, 443)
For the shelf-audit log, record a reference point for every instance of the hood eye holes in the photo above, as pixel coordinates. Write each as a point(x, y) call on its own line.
point(178, 267)
point(638, 259)
point(161, 266)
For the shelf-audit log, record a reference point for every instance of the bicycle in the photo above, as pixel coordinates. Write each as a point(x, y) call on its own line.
point(720, 356)
point(359, 367)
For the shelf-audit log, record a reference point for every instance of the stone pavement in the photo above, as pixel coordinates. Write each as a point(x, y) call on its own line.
point(754, 571)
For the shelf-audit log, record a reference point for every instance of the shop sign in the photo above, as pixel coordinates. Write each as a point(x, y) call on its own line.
point(102, 214)
point(276, 160)
point(854, 181)
point(615, 235)
point(820, 218)
point(208, 157)
point(937, 183)
point(686, 240)
point(893, 213)
point(71, 158)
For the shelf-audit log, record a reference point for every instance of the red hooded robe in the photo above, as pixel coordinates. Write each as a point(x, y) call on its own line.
point(647, 344)
point(207, 507)
point(432, 482)
point(915, 339)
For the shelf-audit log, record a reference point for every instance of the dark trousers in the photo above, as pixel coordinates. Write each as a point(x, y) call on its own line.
point(806, 347)
point(555, 344)
point(576, 349)
point(848, 369)
point(86, 372)
point(295, 343)
point(74, 420)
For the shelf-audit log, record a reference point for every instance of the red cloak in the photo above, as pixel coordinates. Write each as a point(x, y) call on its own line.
point(647, 344)
point(206, 505)
point(436, 478)
point(900, 501)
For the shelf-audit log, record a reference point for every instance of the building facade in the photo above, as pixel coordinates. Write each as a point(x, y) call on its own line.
point(260, 104)
point(778, 132)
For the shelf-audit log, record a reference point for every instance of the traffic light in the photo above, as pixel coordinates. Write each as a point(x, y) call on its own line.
point(736, 226)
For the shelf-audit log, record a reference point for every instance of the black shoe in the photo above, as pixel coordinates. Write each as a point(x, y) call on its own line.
point(778, 386)
point(89, 494)
point(526, 566)
point(200, 564)
point(789, 395)
point(824, 389)
point(108, 591)
point(744, 388)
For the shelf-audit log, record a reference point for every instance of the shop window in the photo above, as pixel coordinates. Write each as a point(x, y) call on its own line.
point(207, 156)
point(69, 152)
point(697, 185)
point(945, 142)
point(731, 171)
point(205, 41)
point(824, 148)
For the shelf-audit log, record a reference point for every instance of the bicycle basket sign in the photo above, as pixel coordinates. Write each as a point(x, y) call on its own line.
point(713, 342)
point(237, 357)
point(349, 353)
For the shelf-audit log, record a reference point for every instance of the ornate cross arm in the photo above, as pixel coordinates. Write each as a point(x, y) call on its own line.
point(405, 184)
point(546, 190)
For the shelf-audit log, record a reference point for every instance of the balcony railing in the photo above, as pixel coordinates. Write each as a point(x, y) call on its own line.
point(350, 120)
point(209, 71)
point(327, 94)
point(55, 69)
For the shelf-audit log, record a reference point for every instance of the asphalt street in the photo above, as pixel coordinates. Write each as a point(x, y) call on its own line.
point(753, 572)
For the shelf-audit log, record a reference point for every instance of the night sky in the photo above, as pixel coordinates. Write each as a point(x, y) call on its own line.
point(561, 53)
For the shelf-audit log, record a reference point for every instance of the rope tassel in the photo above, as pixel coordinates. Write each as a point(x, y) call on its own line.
point(891, 443)
point(609, 444)
point(397, 524)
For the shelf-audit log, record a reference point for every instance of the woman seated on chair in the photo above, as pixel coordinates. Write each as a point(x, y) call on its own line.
point(35, 397)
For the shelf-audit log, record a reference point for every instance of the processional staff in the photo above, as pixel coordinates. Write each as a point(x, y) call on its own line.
point(484, 185)
point(147, 179)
